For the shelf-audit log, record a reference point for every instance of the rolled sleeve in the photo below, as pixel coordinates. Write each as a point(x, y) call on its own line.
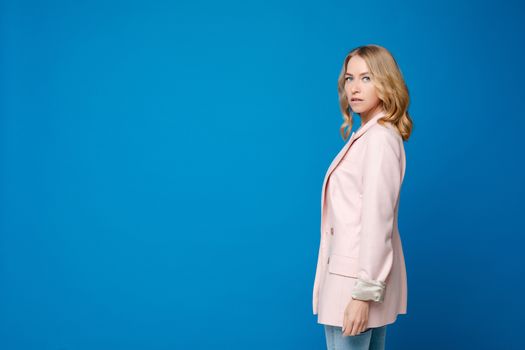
point(381, 185)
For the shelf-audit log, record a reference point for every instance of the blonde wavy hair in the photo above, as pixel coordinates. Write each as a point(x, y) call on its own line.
point(390, 86)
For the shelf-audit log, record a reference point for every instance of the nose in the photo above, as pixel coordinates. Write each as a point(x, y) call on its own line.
point(354, 87)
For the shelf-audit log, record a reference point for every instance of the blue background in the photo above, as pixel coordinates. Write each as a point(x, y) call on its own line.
point(162, 162)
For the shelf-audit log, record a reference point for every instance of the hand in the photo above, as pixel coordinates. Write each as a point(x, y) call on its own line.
point(355, 319)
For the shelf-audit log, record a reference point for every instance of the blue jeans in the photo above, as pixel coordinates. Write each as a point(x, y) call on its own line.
point(371, 339)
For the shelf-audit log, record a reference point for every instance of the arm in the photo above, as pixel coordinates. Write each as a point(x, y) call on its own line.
point(381, 186)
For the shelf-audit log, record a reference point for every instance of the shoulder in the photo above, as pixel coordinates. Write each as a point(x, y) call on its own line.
point(384, 137)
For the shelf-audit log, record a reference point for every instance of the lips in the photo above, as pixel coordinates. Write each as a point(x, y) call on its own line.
point(356, 100)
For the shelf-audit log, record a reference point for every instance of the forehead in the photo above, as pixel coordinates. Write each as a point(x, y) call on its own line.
point(356, 65)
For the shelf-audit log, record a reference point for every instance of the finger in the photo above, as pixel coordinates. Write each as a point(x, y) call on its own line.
point(355, 329)
point(359, 328)
point(365, 327)
point(348, 328)
point(345, 328)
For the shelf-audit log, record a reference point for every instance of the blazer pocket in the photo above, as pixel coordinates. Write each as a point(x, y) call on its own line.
point(343, 265)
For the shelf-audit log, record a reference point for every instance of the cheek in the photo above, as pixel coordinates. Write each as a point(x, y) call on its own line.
point(371, 93)
point(347, 90)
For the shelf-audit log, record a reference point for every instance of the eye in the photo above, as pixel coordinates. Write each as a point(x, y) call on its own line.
point(365, 77)
point(347, 78)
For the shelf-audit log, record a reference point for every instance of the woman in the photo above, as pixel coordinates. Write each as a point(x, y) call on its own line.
point(360, 282)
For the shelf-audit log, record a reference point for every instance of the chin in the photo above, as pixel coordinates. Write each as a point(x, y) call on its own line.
point(359, 110)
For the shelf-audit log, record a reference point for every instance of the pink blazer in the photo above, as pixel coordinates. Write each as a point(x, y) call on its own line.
point(360, 253)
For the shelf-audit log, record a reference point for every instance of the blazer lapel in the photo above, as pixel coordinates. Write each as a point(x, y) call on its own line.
point(341, 154)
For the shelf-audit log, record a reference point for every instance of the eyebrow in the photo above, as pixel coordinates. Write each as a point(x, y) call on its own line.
point(359, 74)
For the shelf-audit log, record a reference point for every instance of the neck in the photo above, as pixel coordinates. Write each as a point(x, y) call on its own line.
point(366, 116)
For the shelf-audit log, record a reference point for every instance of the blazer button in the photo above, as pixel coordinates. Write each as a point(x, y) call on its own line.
point(332, 231)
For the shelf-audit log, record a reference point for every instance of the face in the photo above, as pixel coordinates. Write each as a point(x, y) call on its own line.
point(360, 90)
